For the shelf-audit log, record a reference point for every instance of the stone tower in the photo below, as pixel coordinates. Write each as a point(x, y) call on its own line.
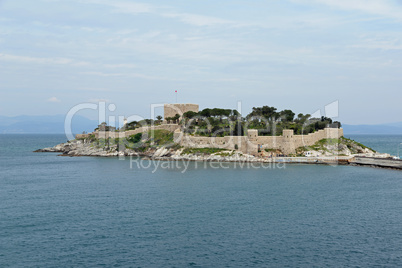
point(252, 141)
point(288, 145)
point(170, 110)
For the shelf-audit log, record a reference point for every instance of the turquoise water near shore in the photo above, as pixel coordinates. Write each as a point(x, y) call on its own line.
point(87, 211)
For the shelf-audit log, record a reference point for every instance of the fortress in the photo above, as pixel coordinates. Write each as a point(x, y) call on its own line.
point(250, 144)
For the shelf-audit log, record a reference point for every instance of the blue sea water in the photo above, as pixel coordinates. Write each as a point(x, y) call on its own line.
point(391, 144)
point(86, 211)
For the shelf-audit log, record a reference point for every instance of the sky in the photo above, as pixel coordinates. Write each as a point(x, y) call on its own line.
point(291, 54)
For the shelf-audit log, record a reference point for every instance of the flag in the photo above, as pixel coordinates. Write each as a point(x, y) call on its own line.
point(175, 91)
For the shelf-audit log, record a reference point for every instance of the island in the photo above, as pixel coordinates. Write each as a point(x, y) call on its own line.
point(264, 135)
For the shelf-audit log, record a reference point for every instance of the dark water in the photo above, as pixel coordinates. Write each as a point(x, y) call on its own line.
point(61, 211)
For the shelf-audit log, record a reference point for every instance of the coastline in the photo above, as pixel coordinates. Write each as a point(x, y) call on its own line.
point(82, 149)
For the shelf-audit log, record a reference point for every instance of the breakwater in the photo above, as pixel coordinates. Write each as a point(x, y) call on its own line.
point(377, 162)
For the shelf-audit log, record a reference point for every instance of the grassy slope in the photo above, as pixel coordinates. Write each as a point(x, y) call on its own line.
point(321, 145)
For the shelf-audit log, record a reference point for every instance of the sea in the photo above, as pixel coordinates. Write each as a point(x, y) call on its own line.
point(60, 211)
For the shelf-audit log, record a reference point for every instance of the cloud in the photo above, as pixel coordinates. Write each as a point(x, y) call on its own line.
point(197, 20)
point(382, 41)
point(385, 8)
point(130, 7)
point(62, 61)
point(92, 89)
point(98, 100)
point(123, 6)
point(53, 99)
point(103, 74)
point(134, 75)
point(38, 60)
point(162, 11)
point(119, 65)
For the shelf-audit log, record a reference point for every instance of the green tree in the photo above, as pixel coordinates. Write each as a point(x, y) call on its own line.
point(176, 118)
point(287, 115)
point(238, 129)
point(267, 112)
point(190, 114)
point(206, 112)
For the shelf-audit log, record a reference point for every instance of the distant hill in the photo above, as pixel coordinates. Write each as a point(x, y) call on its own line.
point(55, 124)
point(44, 124)
point(392, 128)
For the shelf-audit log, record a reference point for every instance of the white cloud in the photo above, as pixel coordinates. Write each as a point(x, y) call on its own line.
point(138, 8)
point(63, 61)
point(98, 100)
point(385, 8)
point(119, 65)
point(197, 20)
point(126, 31)
point(134, 75)
point(384, 42)
point(91, 89)
point(103, 74)
point(132, 8)
point(93, 29)
point(38, 60)
point(53, 99)
point(123, 6)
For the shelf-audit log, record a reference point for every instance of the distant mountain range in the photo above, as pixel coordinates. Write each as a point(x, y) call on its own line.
point(393, 128)
point(55, 124)
point(44, 124)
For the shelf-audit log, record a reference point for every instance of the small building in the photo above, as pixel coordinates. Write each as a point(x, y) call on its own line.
point(311, 154)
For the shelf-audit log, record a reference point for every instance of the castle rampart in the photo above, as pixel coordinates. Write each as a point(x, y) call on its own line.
point(287, 143)
point(250, 144)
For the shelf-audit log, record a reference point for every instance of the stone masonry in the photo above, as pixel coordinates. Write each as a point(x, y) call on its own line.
point(170, 110)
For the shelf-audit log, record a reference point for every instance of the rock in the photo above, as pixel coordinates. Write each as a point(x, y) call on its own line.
point(161, 152)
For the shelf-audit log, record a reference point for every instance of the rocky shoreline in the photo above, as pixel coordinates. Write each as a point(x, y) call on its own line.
point(84, 147)
point(77, 148)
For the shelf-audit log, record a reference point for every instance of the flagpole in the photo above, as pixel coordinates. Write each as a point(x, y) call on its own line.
point(176, 95)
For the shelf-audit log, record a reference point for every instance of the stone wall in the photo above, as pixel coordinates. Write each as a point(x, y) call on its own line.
point(240, 143)
point(170, 110)
point(81, 136)
point(287, 143)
